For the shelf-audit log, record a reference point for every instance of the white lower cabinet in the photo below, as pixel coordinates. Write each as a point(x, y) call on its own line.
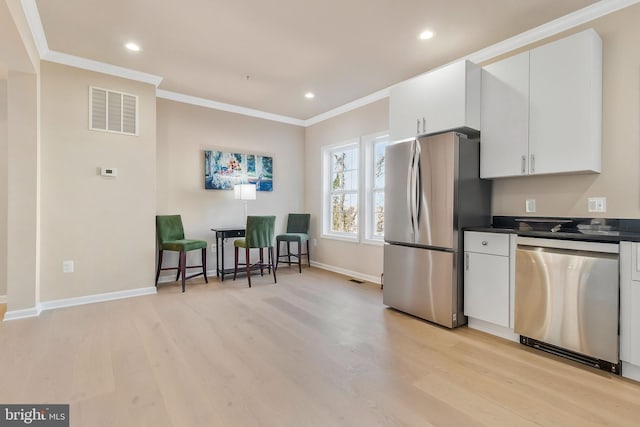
point(489, 282)
point(630, 310)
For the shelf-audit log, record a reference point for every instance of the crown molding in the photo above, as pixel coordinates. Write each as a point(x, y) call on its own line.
point(101, 67)
point(564, 23)
point(366, 100)
point(215, 105)
point(32, 15)
point(551, 28)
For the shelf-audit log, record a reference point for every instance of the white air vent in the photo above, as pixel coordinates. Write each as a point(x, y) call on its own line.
point(113, 111)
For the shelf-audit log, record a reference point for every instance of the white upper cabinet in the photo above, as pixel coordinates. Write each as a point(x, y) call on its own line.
point(445, 99)
point(558, 129)
point(504, 146)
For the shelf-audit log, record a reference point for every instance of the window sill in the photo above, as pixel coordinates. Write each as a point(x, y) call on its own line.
point(342, 238)
point(373, 242)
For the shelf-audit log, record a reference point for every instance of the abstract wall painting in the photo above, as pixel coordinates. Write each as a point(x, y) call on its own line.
point(223, 170)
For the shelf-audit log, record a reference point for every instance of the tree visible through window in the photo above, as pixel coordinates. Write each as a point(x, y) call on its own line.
point(344, 189)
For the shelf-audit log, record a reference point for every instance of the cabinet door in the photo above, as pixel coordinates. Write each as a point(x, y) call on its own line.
point(404, 111)
point(444, 99)
point(565, 115)
point(486, 288)
point(504, 146)
point(629, 304)
point(453, 99)
point(635, 261)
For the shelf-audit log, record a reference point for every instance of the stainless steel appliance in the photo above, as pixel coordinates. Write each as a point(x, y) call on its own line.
point(432, 191)
point(567, 299)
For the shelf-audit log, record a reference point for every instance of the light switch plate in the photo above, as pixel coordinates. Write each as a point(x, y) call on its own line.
point(530, 205)
point(597, 204)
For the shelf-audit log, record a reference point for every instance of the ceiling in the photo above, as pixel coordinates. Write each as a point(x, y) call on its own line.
point(266, 55)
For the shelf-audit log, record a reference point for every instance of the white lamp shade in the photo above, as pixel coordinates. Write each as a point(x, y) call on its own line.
point(244, 191)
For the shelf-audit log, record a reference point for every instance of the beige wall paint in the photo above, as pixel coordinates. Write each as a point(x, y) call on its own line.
point(365, 259)
point(3, 186)
point(185, 132)
point(105, 225)
point(22, 191)
point(619, 180)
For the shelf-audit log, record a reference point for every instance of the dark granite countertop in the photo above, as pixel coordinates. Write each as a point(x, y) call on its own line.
point(627, 230)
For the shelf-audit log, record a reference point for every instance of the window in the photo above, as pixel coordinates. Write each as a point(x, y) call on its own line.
point(353, 204)
point(374, 149)
point(342, 184)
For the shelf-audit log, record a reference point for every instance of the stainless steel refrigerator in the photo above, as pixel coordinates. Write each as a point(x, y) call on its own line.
point(432, 191)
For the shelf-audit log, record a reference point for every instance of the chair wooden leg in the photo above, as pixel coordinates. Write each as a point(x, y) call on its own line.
point(277, 253)
point(159, 266)
point(299, 256)
point(271, 261)
point(262, 261)
point(179, 267)
point(204, 264)
point(235, 263)
point(308, 259)
point(289, 253)
point(183, 268)
point(248, 265)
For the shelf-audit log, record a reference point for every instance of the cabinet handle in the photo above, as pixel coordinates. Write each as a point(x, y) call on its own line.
point(466, 262)
point(524, 164)
point(424, 125)
point(418, 127)
point(484, 243)
point(533, 163)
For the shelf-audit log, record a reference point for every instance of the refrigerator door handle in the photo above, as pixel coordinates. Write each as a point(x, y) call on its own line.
point(418, 183)
point(410, 180)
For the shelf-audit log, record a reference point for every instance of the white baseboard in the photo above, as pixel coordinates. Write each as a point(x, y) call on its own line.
point(343, 271)
point(22, 314)
point(70, 302)
point(3, 299)
point(90, 299)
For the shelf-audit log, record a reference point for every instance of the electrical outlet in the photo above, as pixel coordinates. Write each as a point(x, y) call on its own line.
point(315, 242)
point(597, 204)
point(67, 266)
point(530, 206)
point(213, 248)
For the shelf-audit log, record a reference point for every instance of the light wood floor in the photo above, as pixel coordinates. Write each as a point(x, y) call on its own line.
point(313, 350)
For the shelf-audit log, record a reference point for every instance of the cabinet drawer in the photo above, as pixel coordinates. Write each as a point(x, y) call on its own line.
point(486, 243)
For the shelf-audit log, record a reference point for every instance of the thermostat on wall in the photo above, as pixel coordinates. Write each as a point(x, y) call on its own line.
point(108, 171)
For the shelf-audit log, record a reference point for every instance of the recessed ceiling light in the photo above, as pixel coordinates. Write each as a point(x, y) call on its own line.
point(134, 47)
point(309, 95)
point(426, 35)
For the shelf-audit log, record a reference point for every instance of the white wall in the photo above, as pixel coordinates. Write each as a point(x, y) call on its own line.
point(365, 259)
point(105, 225)
point(184, 133)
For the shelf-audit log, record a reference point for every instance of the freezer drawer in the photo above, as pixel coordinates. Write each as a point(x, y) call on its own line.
point(423, 282)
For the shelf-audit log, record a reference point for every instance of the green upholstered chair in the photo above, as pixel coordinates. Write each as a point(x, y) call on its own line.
point(297, 231)
point(259, 234)
point(171, 238)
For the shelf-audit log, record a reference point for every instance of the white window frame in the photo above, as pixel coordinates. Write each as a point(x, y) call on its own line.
point(368, 144)
point(327, 152)
point(365, 191)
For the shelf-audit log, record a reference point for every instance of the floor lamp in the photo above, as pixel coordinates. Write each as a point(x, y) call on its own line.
point(245, 192)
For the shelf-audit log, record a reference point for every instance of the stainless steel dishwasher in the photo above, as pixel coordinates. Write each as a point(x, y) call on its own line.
point(567, 299)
